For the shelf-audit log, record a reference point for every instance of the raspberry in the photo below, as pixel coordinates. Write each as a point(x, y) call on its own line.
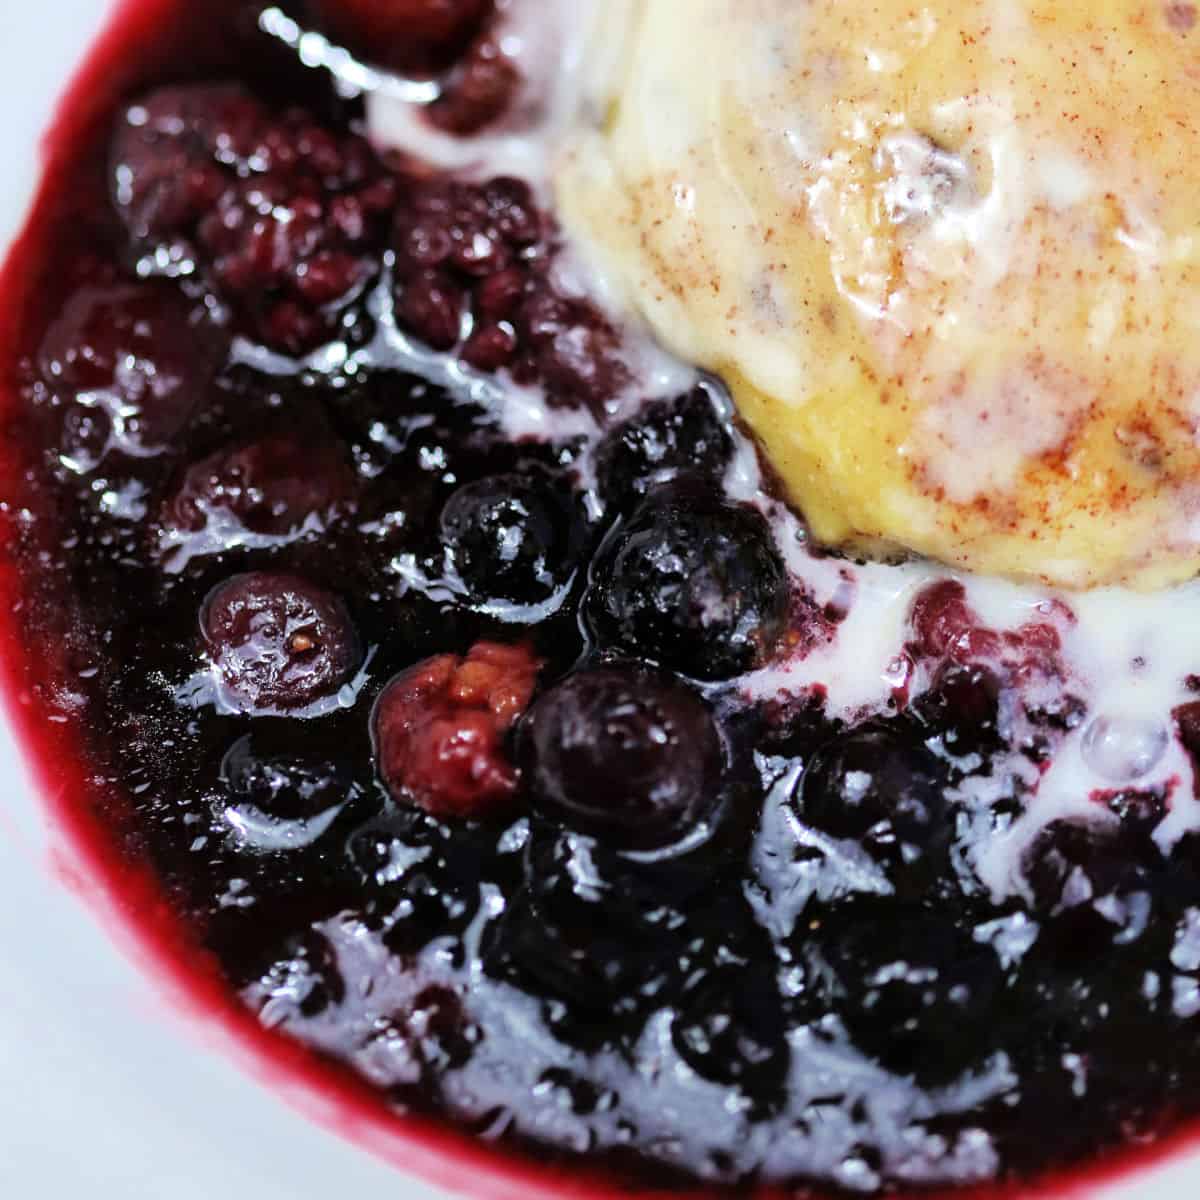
point(285, 216)
point(439, 729)
point(405, 34)
point(472, 275)
point(478, 92)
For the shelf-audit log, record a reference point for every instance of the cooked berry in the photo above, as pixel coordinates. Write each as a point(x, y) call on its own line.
point(480, 90)
point(402, 33)
point(915, 990)
point(684, 436)
point(944, 623)
point(439, 730)
point(730, 1029)
point(166, 156)
point(625, 753)
point(277, 486)
point(963, 706)
point(569, 348)
point(286, 215)
point(508, 537)
point(695, 583)
point(879, 786)
point(1089, 885)
point(587, 930)
point(138, 352)
point(277, 641)
point(283, 786)
point(1072, 863)
point(472, 272)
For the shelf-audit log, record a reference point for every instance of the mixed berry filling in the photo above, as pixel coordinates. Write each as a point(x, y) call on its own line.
point(512, 771)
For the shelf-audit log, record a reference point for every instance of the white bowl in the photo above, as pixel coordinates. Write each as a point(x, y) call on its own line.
point(113, 1087)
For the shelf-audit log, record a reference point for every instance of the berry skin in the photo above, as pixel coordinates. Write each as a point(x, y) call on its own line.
point(507, 537)
point(963, 704)
point(914, 989)
point(277, 642)
point(286, 217)
point(693, 583)
point(274, 487)
point(730, 1029)
point(141, 352)
point(881, 787)
point(626, 754)
point(404, 34)
point(670, 438)
point(439, 730)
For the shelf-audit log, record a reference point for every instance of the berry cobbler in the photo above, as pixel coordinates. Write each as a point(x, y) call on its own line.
point(623, 573)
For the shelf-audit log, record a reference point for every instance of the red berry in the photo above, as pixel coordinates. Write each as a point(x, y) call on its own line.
point(439, 729)
point(490, 347)
point(277, 642)
point(141, 351)
point(403, 33)
point(479, 92)
point(274, 487)
point(285, 215)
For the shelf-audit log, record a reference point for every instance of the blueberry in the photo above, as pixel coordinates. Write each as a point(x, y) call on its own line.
point(683, 436)
point(880, 786)
point(509, 538)
point(1072, 861)
point(1089, 884)
point(914, 989)
point(580, 933)
point(281, 802)
point(963, 705)
point(627, 754)
point(730, 1029)
point(277, 641)
point(694, 583)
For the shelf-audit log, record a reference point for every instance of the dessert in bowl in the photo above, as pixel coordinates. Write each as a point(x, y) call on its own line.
point(494, 715)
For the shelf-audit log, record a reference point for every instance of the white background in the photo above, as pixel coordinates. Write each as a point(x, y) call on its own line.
point(107, 1091)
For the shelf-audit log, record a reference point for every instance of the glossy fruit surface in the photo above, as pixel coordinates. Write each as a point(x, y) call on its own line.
point(626, 753)
point(695, 583)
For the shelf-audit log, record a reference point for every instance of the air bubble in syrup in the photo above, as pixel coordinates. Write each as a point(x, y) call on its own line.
point(1122, 749)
